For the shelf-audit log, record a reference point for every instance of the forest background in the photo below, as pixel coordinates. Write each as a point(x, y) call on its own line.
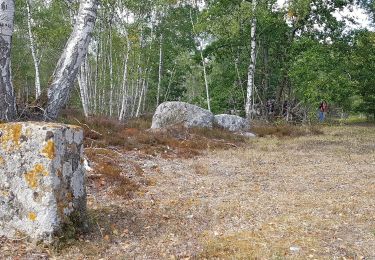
point(257, 58)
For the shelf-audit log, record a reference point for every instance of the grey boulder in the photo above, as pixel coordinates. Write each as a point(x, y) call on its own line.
point(231, 123)
point(180, 113)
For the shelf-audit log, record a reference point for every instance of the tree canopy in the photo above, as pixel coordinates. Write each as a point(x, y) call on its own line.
point(145, 52)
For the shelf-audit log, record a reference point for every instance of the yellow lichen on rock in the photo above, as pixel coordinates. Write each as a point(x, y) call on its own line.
point(11, 135)
point(32, 216)
point(4, 193)
point(1, 161)
point(16, 132)
point(34, 175)
point(49, 150)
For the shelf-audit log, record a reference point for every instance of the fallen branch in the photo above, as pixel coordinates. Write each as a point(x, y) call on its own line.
point(82, 124)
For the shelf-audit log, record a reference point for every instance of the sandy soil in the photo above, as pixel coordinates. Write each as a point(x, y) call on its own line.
point(310, 197)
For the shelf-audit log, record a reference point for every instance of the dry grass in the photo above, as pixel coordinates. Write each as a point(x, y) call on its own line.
point(307, 197)
point(135, 135)
point(285, 130)
point(307, 201)
point(109, 174)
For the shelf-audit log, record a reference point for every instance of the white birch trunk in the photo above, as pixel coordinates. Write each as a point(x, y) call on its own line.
point(125, 79)
point(138, 91)
point(140, 97)
point(251, 69)
point(83, 87)
point(71, 58)
point(95, 95)
point(160, 69)
point(205, 79)
point(110, 72)
point(33, 52)
point(7, 98)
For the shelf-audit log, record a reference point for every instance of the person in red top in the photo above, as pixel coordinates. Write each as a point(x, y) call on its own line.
point(323, 109)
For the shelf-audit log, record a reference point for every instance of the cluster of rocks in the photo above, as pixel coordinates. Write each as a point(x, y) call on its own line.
point(180, 113)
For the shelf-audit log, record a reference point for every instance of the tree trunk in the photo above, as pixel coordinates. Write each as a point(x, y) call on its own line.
point(160, 69)
point(83, 87)
point(124, 102)
point(251, 69)
point(203, 64)
point(7, 99)
point(143, 85)
point(33, 52)
point(71, 58)
point(110, 70)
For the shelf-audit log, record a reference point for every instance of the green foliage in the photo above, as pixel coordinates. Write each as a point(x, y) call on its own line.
point(302, 53)
point(321, 73)
point(363, 63)
point(51, 28)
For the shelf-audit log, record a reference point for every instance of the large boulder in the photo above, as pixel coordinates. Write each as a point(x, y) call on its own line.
point(42, 184)
point(181, 113)
point(231, 123)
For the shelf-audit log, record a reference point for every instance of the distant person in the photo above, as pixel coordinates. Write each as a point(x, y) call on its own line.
point(270, 106)
point(323, 109)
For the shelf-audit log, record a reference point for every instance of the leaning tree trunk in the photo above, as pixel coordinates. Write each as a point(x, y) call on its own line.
point(67, 67)
point(251, 69)
point(7, 99)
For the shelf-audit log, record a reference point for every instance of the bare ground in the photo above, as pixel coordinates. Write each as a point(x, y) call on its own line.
point(310, 197)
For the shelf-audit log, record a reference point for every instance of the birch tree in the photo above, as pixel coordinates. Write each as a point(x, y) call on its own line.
point(33, 51)
point(67, 67)
point(203, 63)
point(251, 69)
point(83, 82)
point(124, 100)
point(160, 70)
point(7, 99)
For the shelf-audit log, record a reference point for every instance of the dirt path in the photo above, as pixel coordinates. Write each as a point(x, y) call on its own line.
point(303, 198)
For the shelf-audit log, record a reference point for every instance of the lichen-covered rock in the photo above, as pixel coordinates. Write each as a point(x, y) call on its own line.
point(231, 122)
point(180, 113)
point(42, 183)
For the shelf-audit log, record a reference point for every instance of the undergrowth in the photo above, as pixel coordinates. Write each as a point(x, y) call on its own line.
point(135, 134)
point(109, 172)
point(285, 130)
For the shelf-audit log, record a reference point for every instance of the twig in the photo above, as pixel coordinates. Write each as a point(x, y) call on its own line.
point(82, 124)
point(233, 145)
point(17, 239)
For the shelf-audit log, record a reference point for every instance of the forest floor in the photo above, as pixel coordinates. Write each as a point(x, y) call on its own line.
point(308, 196)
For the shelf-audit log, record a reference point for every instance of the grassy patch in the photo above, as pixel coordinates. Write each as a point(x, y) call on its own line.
point(109, 172)
point(286, 130)
point(135, 135)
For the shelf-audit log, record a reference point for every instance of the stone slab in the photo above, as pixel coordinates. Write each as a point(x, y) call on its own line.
point(42, 182)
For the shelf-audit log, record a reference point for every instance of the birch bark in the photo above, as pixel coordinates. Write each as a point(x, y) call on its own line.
point(251, 69)
point(71, 58)
point(110, 70)
point(124, 102)
point(7, 99)
point(83, 87)
point(33, 52)
point(160, 69)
